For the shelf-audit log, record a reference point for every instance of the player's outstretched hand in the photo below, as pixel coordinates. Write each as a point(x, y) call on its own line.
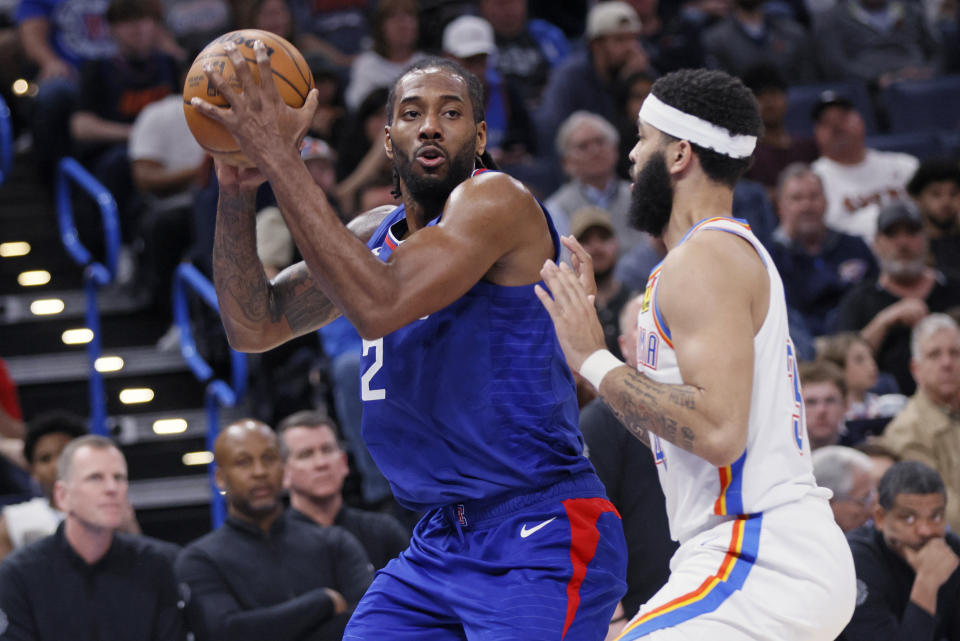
point(572, 312)
point(582, 264)
point(258, 118)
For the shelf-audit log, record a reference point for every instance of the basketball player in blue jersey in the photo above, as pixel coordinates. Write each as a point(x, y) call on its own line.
point(715, 393)
point(469, 407)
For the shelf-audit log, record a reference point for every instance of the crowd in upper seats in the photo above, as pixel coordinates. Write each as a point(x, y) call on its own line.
point(864, 228)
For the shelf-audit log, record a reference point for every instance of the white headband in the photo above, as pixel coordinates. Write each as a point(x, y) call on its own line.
point(679, 124)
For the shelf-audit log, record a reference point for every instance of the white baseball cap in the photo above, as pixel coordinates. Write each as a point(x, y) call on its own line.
point(609, 18)
point(468, 36)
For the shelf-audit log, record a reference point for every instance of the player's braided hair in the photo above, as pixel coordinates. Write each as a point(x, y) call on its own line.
point(721, 99)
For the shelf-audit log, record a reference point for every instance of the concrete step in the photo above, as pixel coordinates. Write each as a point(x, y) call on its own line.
point(73, 366)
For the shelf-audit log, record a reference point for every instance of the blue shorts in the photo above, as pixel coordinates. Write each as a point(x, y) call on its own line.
point(547, 565)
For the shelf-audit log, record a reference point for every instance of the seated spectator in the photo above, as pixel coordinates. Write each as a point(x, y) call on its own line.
point(528, 49)
point(194, 23)
point(907, 580)
point(58, 44)
point(935, 188)
point(87, 582)
point(167, 165)
point(24, 523)
point(750, 34)
point(818, 265)
point(593, 229)
point(885, 309)
point(626, 467)
point(846, 473)
point(315, 467)
point(928, 428)
point(633, 91)
point(880, 456)
point(337, 29)
point(511, 136)
point(821, 384)
point(777, 147)
point(851, 352)
point(856, 180)
point(634, 266)
point(113, 92)
point(675, 42)
point(362, 139)
point(395, 31)
point(331, 114)
point(589, 80)
point(587, 145)
point(875, 41)
point(265, 574)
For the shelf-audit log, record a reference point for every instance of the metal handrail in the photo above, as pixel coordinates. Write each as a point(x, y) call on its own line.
point(95, 274)
point(187, 279)
point(6, 141)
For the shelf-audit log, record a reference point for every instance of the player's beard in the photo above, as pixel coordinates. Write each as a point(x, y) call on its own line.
point(431, 190)
point(652, 199)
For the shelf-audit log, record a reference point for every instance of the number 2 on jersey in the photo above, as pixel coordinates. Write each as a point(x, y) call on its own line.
point(368, 393)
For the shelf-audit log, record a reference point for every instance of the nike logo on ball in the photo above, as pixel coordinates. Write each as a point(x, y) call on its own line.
point(524, 532)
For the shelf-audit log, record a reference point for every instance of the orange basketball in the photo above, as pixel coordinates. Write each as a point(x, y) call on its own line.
point(291, 74)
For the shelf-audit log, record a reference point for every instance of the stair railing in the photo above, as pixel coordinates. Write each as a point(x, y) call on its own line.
point(95, 274)
point(219, 393)
point(6, 142)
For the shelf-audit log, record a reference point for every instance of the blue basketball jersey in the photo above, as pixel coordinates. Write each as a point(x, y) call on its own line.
point(473, 401)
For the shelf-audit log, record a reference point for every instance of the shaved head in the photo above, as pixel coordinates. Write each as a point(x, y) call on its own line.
point(235, 434)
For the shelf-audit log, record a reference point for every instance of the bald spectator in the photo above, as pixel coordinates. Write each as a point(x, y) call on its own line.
point(315, 467)
point(24, 523)
point(847, 473)
point(928, 428)
point(857, 180)
point(885, 309)
point(87, 582)
point(262, 574)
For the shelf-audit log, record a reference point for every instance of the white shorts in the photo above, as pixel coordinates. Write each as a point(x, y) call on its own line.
point(786, 574)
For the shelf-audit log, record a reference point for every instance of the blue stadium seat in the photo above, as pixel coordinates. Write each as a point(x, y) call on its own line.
point(923, 105)
point(922, 144)
point(802, 98)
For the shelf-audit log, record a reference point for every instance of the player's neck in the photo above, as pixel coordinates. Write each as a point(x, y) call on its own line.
point(323, 510)
point(695, 198)
point(418, 213)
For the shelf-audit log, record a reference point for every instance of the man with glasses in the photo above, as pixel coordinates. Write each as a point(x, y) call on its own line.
point(908, 586)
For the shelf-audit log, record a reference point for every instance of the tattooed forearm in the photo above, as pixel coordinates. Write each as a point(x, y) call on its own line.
point(237, 273)
point(643, 406)
point(296, 297)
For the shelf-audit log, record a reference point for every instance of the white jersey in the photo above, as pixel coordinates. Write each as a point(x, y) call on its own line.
point(855, 193)
point(30, 521)
point(775, 468)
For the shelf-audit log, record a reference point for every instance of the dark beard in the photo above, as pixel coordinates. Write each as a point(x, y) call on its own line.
point(652, 199)
point(430, 190)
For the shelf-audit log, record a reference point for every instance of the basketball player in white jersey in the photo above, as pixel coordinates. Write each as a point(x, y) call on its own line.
point(715, 393)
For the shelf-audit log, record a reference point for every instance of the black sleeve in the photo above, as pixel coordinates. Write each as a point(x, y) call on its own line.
point(874, 617)
point(168, 624)
point(353, 571)
point(849, 312)
point(91, 89)
point(14, 602)
point(216, 615)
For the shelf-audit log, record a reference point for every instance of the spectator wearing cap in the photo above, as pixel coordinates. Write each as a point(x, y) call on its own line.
point(588, 80)
point(856, 179)
point(818, 264)
point(935, 187)
point(777, 147)
point(750, 34)
point(593, 228)
point(511, 138)
point(927, 429)
point(527, 49)
point(875, 41)
point(885, 310)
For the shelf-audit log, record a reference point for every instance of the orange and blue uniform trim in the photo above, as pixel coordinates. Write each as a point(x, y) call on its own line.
point(730, 498)
point(709, 595)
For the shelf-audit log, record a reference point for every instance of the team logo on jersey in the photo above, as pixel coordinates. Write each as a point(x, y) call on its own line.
point(647, 295)
point(657, 448)
point(648, 348)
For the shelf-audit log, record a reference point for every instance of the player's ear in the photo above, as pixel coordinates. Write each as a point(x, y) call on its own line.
point(679, 156)
point(387, 142)
point(481, 137)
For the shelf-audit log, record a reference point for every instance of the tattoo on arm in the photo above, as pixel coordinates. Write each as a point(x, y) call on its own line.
point(296, 297)
point(642, 405)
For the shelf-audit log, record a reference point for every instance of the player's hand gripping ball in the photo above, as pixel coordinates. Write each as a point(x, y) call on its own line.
point(291, 75)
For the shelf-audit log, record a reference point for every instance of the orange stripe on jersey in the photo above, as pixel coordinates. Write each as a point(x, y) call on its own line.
point(726, 474)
